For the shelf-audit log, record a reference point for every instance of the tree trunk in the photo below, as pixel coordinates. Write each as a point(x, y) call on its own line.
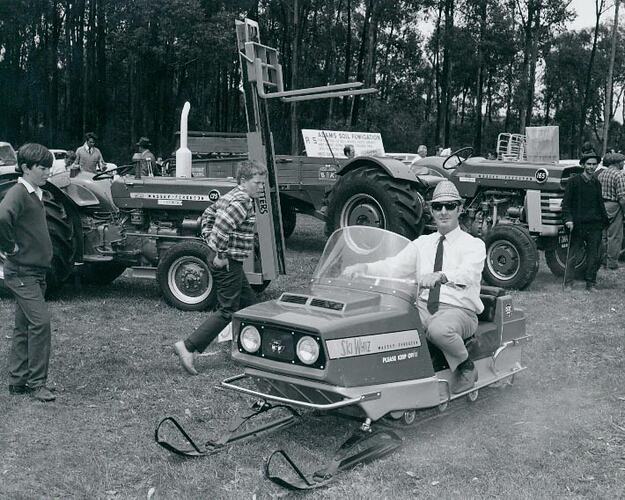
point(588, 81)
point(607, 112)
point(294, 77)
point(477, 141)
point(361, 59)
point(446, 76)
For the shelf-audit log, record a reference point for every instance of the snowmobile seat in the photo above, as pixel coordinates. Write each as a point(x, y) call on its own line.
point(487, 338)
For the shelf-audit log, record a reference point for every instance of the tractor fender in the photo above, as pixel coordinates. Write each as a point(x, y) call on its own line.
point(394, 168)
point(78, 194)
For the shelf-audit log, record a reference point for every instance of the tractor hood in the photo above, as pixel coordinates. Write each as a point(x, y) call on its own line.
point(481, 172)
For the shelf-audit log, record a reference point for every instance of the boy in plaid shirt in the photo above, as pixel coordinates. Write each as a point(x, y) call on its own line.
point(228, 229)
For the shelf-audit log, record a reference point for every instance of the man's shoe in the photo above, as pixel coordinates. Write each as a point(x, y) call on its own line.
point(186, 357)
point(42, 394)
point(613, 266)
point(464, 377)
point(18, 389)
point(591, 287)
point(569, 285)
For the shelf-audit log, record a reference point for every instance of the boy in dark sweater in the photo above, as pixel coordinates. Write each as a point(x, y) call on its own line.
point(27, 252)
point(585, 217)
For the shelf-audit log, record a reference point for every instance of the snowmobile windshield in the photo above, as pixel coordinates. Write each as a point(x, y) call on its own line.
point(369, 258)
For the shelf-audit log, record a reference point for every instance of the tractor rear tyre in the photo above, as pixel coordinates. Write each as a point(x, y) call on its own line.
point(511, 257)
point(185, 278)
point(368, 196)
point(101, 273)
point(556, 261)
point(61, 230)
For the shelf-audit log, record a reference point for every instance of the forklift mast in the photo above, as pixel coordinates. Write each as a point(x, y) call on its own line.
point(261, 76)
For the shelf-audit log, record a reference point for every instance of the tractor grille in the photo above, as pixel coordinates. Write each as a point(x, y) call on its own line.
point(547, 202)
point(296, 391)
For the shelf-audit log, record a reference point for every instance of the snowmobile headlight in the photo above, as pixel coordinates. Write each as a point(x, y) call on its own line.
point(250, 338)
point(307, 350)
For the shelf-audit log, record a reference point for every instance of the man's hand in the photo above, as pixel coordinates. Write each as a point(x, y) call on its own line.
point(430, 280)
point(354, 270)
point(569, 225)
point(220, 263)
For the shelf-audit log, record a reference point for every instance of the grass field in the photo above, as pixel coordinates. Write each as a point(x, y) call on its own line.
point(559, 431)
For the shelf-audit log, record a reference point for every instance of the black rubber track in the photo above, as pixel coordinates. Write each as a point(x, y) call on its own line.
point(519, 238)
point(401, 201)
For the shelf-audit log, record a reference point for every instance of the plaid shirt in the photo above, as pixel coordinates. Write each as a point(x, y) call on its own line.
point(612, 184)
point(228, 225)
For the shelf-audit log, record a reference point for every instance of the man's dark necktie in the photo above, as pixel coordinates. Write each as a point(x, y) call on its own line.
point(435, 293)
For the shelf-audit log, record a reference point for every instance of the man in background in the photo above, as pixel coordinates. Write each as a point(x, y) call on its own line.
point(89, 157)
point(612, 180)
point(422, 151)
point(585, 217)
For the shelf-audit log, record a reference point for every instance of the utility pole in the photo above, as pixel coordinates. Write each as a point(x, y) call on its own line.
point(607, 112)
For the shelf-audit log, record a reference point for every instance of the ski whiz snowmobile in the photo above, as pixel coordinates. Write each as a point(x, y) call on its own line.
point(354, 346)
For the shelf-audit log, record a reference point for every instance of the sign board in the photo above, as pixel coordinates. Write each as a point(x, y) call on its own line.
point(365, 143)
point(543, 144)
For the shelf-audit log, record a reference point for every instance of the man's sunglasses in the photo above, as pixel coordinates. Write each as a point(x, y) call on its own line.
point(450, 205)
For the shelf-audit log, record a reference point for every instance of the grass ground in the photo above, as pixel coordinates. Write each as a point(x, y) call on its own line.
point(559, 431)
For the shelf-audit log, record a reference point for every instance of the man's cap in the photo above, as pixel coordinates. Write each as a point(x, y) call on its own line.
point(446, 191)
point(612, 159)
point(587, 156)
point(144, 142)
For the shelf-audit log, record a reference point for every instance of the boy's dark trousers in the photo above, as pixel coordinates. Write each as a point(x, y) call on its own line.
point(233, 293)
point(590, 236)
point(30, 351)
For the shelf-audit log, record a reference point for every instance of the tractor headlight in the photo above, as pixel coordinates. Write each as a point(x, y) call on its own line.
point(307, 350)
point(250, 338)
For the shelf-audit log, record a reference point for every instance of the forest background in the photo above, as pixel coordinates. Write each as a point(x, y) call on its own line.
point(449, 72)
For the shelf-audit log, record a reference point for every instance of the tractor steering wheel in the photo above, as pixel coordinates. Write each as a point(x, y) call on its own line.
point(108, 174)
point(458, 154)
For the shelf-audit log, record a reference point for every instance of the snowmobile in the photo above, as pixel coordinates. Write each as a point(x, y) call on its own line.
point(353, 345)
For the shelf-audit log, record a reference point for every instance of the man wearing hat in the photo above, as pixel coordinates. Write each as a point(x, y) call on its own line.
point(450, 270)
point(145, 156)
point(612, 180)
point(585, 217)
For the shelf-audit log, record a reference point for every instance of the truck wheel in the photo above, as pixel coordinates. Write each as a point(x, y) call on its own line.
point(61, 230)
point(289, 218)
point(368, 196)
point(101, 273)
point(185, 278)
point(511, 257)
point(556, 261)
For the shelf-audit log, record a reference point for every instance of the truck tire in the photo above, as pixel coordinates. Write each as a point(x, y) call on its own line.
point(556, 260)
point(368, 196)
point(289, 218)
point(511, 257)
point(101, 273)
point(64, 244)
point(185, 278)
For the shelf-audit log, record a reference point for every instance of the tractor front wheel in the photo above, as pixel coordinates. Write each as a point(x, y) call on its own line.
point(185, 278)
point(555, 257)
point(511, 257)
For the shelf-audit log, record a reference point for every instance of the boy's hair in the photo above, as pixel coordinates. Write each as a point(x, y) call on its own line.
point(91, 135)
point(32, 154)
point(248, 169)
